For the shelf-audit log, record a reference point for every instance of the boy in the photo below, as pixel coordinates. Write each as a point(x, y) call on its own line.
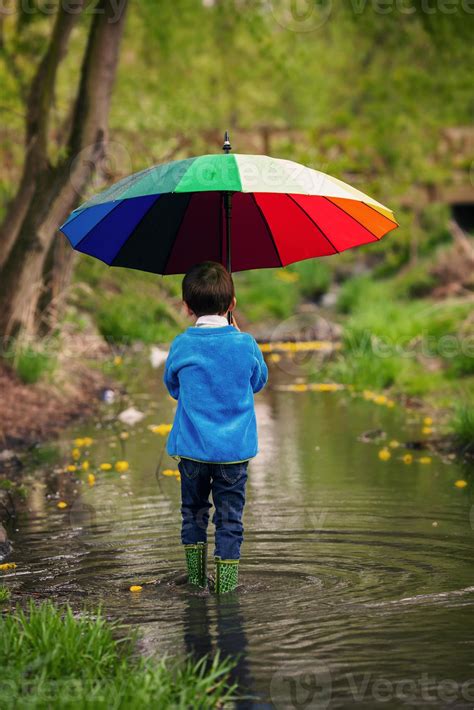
point(213, 370)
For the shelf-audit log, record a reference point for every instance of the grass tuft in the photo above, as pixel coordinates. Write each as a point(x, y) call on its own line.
point(462, 426)
point(52, 658)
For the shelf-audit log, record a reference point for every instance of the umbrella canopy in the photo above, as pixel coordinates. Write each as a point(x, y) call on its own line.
point(169, 217)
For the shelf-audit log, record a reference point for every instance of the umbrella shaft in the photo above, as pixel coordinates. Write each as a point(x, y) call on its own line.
point(228, 236)
point(228, 229)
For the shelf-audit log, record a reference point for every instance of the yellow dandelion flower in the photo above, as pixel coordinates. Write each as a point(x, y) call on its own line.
point(367, 394)
point(7, 566)
point(61, 505)
point(136, 588)
point(121, 466)
point(274, 357)
point(407, 458)
point(85, 465)
point(105, 466)
point(427, 430)
point(425, 459)
point(124, 435)
point(427, 421)
point(460, 484)
point(88, 441)
point(394, 444)
point(117, 360)
point(91, 479)
point(170, 472)
point(384, 454)
point(380, 399)
point(76, 454)
point(161, 429)
point(79, 442)
point(71, 468)
point(287, 277)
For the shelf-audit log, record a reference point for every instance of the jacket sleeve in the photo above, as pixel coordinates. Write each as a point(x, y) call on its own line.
point(170, 377)
point(259, 376)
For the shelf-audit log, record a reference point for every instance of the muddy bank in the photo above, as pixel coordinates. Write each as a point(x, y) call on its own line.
point(33, 413)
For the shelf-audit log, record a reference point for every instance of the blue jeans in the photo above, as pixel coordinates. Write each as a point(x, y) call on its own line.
point(226, 482)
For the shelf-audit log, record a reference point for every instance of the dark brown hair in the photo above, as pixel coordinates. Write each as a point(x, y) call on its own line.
point(208, 289)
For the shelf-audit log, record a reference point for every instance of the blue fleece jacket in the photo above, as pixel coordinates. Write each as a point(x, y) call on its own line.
point(213, 373)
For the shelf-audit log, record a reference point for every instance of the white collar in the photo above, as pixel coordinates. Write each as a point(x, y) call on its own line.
point(213, 321)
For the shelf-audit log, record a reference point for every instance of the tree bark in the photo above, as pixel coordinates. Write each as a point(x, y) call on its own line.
point(38, 112)
point(57, 189)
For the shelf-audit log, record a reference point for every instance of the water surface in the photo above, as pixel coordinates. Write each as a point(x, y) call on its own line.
point(357, 573)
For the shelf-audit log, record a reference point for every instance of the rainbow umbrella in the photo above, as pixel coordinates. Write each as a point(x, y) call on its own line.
point(169, 217)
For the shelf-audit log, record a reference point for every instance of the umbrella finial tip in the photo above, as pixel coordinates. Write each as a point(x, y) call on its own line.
point(227, 146)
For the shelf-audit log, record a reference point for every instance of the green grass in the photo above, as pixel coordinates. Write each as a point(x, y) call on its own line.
point(4, 594)
point(414, 345)
point(462, 426)
point(31, 362)
point(52, 658)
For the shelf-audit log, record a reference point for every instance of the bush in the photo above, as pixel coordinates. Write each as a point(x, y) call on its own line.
point(461, 365)
point(415, 283)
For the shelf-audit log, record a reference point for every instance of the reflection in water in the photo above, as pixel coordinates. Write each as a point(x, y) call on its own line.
point(225, 623)
point(355, 571)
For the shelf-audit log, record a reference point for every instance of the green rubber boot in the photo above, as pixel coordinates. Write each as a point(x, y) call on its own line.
point(227, 575)
point(196, 563)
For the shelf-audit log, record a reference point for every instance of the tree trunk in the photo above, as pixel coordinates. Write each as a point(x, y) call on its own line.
point(57, 274)
point(38, 110)
point(57, 189)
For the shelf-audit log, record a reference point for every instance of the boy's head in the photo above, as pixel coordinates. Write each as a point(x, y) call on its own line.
point(208, 289)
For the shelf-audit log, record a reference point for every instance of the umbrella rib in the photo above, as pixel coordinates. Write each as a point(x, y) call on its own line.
point(336, 251)
point(354, 218)
point(267, 227)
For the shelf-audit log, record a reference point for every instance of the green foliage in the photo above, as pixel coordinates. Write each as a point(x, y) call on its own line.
point(315, 277)
point(353, 292)
point(462, 425)
point(32, 365)
point(387, 339)
point(128, 305)
point(415, 282)
point(461, 364)
point(128, 318)
point(75, 661)
point(4, 594)
point(263, 294)
point(32, 361)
